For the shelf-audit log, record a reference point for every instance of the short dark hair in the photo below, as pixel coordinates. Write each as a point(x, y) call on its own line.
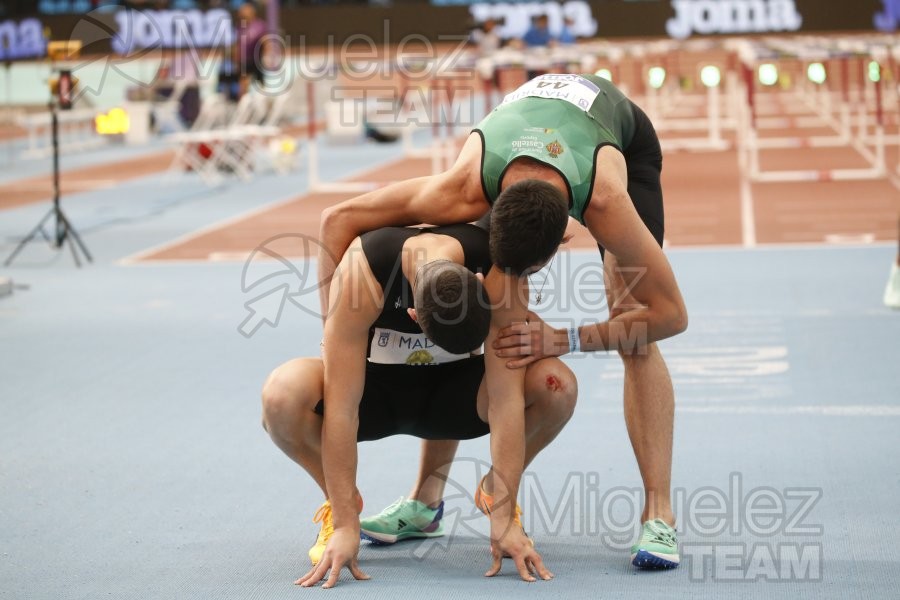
point(452, 307)
point(528, 221)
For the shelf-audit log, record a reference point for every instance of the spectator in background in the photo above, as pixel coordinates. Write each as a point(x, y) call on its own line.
point(229, 83)
point(539, 33)
point(179, 76)
point(566, 37)
point(486, 38)
point(538, 37)
point(248, 47)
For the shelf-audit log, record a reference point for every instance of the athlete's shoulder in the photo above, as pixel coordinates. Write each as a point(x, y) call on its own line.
point(387, 233)
point(382, 249)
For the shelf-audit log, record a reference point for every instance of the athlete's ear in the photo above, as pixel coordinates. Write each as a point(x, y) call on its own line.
point(412, 314)
point(479, 276)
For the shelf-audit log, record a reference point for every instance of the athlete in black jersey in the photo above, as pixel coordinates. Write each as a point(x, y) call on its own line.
point(383, 376)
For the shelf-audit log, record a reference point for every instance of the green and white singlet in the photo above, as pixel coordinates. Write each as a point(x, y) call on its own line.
point(561, 121)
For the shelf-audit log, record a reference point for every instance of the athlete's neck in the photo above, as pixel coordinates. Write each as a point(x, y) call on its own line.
point(425, 248)
point(522, 169)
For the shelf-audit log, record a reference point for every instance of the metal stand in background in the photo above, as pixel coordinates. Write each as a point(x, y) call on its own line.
point(7, 64)
point(64, 232)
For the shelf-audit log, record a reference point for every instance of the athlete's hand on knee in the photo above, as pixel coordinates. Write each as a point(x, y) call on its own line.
point(515, 544)
point(342, 550)
point(530, 341)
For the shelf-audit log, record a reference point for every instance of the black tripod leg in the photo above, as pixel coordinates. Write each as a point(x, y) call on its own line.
point(29, 237)
point(71, 231)
point(67, 238)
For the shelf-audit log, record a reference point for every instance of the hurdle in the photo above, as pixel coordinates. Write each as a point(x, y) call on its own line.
point(438, 105)
point(685, 119)
point(752, 144)
point(437, 101)
point(443, 126)
point(419, 109)
point(713, 123)
point(315, 182)
point(76, 132)
point(428, 104)
point(806, 98)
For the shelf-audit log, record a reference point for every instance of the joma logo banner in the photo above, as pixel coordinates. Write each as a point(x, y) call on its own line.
point(516, 16)
point(21, 40)
point(733, 16)
point(139, 29)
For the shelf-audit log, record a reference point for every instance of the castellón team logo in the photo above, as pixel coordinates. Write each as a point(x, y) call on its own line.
point(555, 149)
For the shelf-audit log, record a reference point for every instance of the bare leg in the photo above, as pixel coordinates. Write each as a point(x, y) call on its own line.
point(289, 398)
point(434, 468)
point(649, 408)
point(650, 419)
point(550, 394)
point(551, 391)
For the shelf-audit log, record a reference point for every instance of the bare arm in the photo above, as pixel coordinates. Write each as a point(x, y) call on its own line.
point(658, 309)
point(506, 392)
point(613, 221)
point(355, 306)
point(454, 196)
point(506, 417)
point(344, 355)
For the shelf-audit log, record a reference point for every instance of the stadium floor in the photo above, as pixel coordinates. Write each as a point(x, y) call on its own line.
point(133, 464)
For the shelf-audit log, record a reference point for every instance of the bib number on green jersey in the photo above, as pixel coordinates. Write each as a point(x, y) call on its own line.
point(572, 88)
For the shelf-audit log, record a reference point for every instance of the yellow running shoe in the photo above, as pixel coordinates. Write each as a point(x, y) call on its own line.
point(323, 516)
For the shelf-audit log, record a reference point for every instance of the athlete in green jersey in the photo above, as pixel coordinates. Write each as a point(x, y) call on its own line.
point(562, 135)
point(599, 150)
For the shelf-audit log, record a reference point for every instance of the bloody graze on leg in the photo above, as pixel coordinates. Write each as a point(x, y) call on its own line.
point(553, 383)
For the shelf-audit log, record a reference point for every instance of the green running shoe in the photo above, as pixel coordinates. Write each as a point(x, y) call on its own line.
point(402, 520)
point(657, 548)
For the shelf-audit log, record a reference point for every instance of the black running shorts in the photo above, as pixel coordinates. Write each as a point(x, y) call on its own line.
point(643, 157)
point(433, 402)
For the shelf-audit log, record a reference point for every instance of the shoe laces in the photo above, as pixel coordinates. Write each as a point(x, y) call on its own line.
point(518, 518)
point(323, 516)
point(658, 531)
point(394, 508)
point(489, 506)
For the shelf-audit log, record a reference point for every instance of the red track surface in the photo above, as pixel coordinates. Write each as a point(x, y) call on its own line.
point(705, 201)
point(702, 200)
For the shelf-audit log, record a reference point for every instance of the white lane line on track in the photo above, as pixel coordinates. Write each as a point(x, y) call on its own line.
point(843, 410)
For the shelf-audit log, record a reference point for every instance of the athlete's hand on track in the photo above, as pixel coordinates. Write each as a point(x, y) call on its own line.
point(530, 341)
point(342, 550)
point(515, 544)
